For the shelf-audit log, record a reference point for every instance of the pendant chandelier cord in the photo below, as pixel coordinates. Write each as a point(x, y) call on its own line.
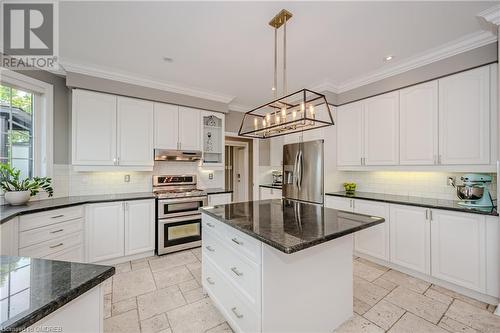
point(275, 86)
point(285, 88)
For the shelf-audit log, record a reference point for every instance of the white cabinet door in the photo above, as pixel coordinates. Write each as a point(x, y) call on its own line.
point(464, 117)
point(139, 226)
point(410, 238)
point(349, 134)
point(219, 199)
point(93, 128)
point(276, 151)
point(270, 193)
point(458, 249)
point(338, 203)
point(373, 241)
point(135, 132)
point(189, 128)
point(104, 231)
point(166, 124)
point(381, 129)
point(492, 256)
point(418, 121)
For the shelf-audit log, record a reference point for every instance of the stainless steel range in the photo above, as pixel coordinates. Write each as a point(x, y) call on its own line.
point(178, 217)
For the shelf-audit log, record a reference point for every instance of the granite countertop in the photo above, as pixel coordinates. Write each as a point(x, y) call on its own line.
point(417, 201)
point(7, 212)
point(278, 187)
point(217, 191)
point(290, 226)
point(31, 289)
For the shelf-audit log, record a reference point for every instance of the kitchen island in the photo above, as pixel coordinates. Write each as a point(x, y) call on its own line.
point(280, 265)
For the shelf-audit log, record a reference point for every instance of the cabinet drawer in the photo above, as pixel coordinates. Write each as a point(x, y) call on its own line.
point(73, 254)
point(35, 236)
point(244, 244)
point(212, 246)
point(36, 220)
point(211, 225)
point(56, 245)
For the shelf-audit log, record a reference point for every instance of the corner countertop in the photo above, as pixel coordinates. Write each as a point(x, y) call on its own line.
point(417, 201)
point(277, 187)
point(217, 191)
point(31, 289)
point(290, 226)
point(7, 212)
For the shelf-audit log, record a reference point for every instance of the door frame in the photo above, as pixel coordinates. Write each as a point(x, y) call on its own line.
point(245, 146)
point(255, 163)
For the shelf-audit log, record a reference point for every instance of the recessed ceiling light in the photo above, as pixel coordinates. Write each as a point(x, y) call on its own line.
point(168, 59)
point(388, 58)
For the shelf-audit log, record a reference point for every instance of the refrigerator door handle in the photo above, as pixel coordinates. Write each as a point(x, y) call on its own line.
point(295, 166)
point(300, 169)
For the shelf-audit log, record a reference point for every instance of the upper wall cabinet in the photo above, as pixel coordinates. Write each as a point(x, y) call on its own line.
point(110, 131)
point(464, 116)
point(189, 129)
point(212, 138)
point(166, 126)
point(418, 124)
point(350, 134)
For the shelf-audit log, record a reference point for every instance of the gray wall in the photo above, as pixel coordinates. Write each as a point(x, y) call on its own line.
point(233, 121)
point(76, 80)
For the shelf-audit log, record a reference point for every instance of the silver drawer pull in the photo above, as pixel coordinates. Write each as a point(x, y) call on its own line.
point(209, 248)
point(210, 281)
point(210, 225)
point(54, 246)
point(236, 271)
point(56, 231)
point(237, 241)
point(57, 216)
point(235, 311)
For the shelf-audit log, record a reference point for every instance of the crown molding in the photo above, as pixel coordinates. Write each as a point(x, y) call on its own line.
point(325, 86)
point(458, 46)
point(491, 15)
point(239, 107)
point(144, 82)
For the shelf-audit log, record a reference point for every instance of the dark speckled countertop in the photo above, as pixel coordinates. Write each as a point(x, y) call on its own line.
point(7, 212)
point(31, 289)
point(417, 201)
point(290, 226)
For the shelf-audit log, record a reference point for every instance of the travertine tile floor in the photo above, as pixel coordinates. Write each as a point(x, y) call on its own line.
point(164, 294)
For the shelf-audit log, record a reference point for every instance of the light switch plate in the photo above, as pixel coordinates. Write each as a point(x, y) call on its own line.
point(126, 179)
point(210, 175)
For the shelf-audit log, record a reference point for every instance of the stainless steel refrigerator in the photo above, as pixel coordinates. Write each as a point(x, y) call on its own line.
point(303, 171)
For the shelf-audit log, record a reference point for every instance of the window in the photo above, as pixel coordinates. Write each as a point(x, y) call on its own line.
point(16, 128)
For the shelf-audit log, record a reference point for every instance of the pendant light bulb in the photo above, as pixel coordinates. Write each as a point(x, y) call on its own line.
point(302, 106)
point(283, 113)
point(255, 123)
point(294, 115)
point(268, 118)
point(311, 110)
point(277, 118)
point(263, 123)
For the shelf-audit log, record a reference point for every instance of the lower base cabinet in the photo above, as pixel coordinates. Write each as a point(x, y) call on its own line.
point(220, 199)
point(267, 193)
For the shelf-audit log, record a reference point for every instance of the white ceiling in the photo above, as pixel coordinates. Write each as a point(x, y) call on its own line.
point(226, 47)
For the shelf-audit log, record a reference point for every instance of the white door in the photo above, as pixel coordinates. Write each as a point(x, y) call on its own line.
point(93, 128)
point(135, 132)
point(166, 124)
point(410, 237)
point(104, 231)
point(464, 117)
point(139, 226)
point(418, 124)
point(189, 128)
point(458, 243)
point(381, 129)
point(373, 241)
point(349, 134)
point(338, 203)
point(276, 151)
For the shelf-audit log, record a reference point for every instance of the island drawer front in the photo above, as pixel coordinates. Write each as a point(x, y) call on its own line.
point(209, 224)
point(74, 254)
point(47, 248)
point(43, 234)
point(36, 220)
point(212, 246)
point(242, 316)
point(244, 244)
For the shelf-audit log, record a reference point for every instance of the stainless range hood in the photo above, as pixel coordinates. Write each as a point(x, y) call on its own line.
point(177, 155)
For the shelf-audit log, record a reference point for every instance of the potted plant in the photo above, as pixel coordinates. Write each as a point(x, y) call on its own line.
point(18, 191)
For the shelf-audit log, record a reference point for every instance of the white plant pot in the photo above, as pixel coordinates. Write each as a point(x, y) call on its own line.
point(16, 198)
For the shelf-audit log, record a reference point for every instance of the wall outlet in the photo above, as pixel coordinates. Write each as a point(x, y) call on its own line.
point(210, 175)
point(451, 181)
point(126, 179)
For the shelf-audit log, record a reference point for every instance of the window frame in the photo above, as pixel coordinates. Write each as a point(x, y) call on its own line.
point(43, 118)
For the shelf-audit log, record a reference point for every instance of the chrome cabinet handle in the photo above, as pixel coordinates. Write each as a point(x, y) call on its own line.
point(54, 246)
point(210, 281)
point(56, 231)
point(237, 241)
point(57, 216)
point(235, 311)
point(430, 214)
point(426, 214)
point(210, 225)
point(209, 248)
point(236, 271)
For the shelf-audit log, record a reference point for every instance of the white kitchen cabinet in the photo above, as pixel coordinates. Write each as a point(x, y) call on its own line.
point(276, 151)
point(381, 129)
point(213, 138)
point(139, 226)
point(410, 237)
point(458, 248)
point(135, 132)
point(492, 256)
point(338, 203)
point(350, 134)
point(267, 193)
point(166, 124)
point(219, 199)
point(464, 117)
point(418, 121)
point(189, 128)
point(93, 128)
point(104, 231)
point(9, 237)
point(373, 241)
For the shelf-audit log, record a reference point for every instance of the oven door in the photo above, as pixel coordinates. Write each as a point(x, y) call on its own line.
point(168, 208)
point(179, 233)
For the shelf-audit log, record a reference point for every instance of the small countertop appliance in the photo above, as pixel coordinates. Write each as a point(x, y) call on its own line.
point(474, 191)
